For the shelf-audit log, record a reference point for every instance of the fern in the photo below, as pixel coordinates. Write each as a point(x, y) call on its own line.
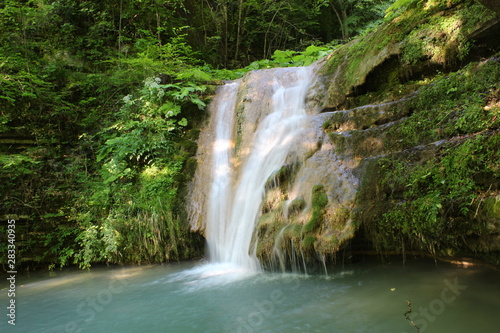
point(397, 7)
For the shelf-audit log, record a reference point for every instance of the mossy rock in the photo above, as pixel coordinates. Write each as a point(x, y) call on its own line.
point(188, 147)
point(296, 206)
point(488, 211)
point(426, 38)
point(319, 202)
point(349, 66)
point(192, 134)
point(328, 244)
point(319, 197)
point(308, 242)
point(411, 168)
point(268, 227)
point(282, 177)
point(190, 167)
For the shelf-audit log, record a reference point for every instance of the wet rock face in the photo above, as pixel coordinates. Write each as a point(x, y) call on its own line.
point(348, 71)
point(367, 101)
point(429, 37)
point(370, 116)
point(306, 209)
point(362, 167)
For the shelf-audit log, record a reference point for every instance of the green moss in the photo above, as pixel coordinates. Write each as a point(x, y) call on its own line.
point(339, 141)
point(313, 223)
point(319, 197)
point(488, 210)
point(190, 167)
point(296, 206)
point(187, 147)
point(444, 38)
point(240, 120)
point(282, 177)
point(433, 197)
point(425, 193)
point(335, 59)
point(308, 241)
point(293, 231)
point(426, 37)
point(319, 202)
point(452, 105)
point(268, 227)
point(327, 245)
point(192, 134)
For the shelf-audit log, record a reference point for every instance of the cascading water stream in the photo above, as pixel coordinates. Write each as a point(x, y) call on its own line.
point(234, 202)
point(220, 198)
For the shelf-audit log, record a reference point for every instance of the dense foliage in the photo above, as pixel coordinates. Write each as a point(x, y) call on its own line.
point(437, 199)
point(429, 159)
point(99, 102)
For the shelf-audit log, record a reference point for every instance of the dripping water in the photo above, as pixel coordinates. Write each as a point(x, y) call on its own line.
point(235, 196)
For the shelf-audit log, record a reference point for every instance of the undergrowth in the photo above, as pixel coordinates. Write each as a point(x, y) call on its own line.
point(435, 198)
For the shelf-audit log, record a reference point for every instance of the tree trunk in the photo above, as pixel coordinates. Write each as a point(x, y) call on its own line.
point(226, 33)
point(239, 30)
point(267, 45)
point(158, 24)
point(341, 14)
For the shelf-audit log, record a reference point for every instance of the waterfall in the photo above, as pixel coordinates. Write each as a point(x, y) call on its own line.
point(236, 190)
point(220, 198)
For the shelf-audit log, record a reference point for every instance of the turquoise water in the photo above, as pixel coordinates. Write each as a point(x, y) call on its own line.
point(197, 297)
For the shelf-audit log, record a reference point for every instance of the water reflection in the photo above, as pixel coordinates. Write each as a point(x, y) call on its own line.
point(201, 297)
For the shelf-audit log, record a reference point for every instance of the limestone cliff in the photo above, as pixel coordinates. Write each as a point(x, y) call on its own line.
point(400, 149)
point(404, 159)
